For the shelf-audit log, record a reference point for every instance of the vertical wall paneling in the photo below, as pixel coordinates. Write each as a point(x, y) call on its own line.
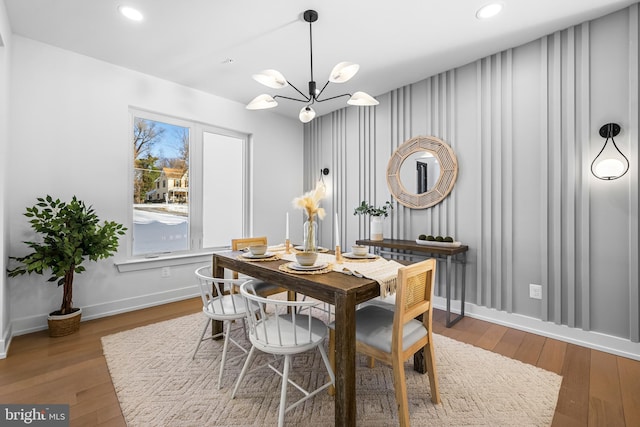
point(507, 183)
point(585, 177)
point(544, 176)
point(478, 188)
point(555, 160)
point(487, 195)
point(524, 199)
point(634, 111)
point(569, 258)
point(496, 180)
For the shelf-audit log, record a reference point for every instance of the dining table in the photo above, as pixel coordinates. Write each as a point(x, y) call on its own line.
point(344, 291)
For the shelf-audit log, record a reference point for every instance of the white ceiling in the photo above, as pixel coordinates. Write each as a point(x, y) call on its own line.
point(395, 42)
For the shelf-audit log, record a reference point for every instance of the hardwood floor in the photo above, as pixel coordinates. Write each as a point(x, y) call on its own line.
point(598, 389)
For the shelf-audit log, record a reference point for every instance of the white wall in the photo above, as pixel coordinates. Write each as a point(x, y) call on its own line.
point(524, 125)
point(70, 135)
point(5, 54)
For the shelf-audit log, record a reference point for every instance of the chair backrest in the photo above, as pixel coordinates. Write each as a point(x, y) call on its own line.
point(245, 242)
point(287, 324)
point(414, 295)
point(215, 293)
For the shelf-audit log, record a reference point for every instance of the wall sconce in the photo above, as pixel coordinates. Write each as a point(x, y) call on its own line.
point(323, 172)
point(610, 163)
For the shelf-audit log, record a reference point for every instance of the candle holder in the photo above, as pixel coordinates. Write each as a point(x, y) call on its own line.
point(338, 255)
point(287, 246)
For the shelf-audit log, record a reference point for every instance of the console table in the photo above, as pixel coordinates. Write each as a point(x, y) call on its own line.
point(448, 254)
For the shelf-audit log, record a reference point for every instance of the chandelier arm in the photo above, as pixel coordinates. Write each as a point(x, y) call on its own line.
point(292, 99)
point(322, 90)
point(333, 97)
point(298, 90)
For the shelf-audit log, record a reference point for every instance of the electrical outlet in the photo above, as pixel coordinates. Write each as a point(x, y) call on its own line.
point(535, 291)
point(165, 272)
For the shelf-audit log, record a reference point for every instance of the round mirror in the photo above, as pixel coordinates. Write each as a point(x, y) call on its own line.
point(421, 172)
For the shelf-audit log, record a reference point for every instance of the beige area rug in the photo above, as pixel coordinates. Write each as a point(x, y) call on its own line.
point(158, 384)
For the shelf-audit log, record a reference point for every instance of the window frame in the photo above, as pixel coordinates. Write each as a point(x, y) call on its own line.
point(196, 252)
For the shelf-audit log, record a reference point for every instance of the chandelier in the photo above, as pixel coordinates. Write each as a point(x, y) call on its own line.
point(341, 73)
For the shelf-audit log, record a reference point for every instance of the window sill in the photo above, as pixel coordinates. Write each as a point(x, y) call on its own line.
point(169, 260)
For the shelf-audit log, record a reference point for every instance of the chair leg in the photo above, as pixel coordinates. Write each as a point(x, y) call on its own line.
point(245, 368)
point(224, 352)
point(372, 362)
point(327, 364)
point(400, 386)
point(283, 391)
point(431, 371)
point(206, 326)
point(332, 358)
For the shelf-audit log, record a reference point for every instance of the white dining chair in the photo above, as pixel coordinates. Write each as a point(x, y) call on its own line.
point(218, 303)
point(283, 331)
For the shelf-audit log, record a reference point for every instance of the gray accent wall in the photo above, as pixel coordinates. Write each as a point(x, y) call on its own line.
point(524, 126)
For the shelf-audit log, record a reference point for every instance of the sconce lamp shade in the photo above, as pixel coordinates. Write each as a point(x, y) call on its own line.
point(306, 114)
point(363, 99)
point(262, 102)
point(343, 72)
point(610, 163)
point(271, 78)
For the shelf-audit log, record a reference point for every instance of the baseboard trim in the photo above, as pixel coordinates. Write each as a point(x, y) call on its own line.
point(589, 339)
point(26, 325)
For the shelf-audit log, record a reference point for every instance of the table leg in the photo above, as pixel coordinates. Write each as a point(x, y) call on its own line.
point(345, 397)
point(449, 322)
point(217, 271)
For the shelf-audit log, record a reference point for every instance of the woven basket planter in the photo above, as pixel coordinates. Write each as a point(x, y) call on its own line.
point(64, 324)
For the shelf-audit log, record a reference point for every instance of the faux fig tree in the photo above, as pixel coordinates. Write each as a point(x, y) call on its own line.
point(71, 234)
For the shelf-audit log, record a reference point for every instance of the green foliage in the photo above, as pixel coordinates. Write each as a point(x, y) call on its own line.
point(71, 234)
point(367, 209)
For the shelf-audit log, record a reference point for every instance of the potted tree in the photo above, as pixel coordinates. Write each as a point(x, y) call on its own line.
point(71, 234)
point(376, 214)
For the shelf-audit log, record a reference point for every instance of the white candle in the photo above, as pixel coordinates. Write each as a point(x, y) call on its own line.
point(337, 231)
point(286, 232)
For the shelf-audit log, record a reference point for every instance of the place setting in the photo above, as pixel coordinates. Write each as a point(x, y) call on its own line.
point(307, 263)
point(359, 253)
point(258, 253)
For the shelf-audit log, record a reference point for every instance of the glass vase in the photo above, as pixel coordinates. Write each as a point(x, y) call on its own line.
point(310, 243)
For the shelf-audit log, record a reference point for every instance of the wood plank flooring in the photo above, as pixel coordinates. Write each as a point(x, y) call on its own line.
point(598, 389)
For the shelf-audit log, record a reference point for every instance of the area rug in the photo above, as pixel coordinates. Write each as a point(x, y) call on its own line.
point(158, 384)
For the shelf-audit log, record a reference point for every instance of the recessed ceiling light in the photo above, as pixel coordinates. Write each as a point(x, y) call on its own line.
point(131, 13)
point(489, 10)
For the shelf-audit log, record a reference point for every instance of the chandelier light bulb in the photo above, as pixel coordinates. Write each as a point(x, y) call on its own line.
point(131, 13)
point(271, 78)
point(343, 72)
point(489, 11)
point(262, 102)
point(306, 114)
point(362, 99)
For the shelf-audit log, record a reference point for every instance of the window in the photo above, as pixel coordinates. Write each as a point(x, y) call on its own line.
point(189, 186)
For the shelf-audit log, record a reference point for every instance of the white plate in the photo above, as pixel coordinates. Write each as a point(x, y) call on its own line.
point(436, 243)
point(250, 255)
point(301, 249)
point(354, 256)
point(296, 266)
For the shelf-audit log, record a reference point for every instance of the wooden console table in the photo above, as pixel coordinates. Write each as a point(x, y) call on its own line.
point(448, 254)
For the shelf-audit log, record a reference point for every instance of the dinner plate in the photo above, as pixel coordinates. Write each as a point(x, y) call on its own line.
point(252, 256)
point(301, 249)
point(354, 256)
point(296, 266)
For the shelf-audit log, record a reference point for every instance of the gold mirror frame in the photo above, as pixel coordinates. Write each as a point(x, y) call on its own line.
point(448, 172)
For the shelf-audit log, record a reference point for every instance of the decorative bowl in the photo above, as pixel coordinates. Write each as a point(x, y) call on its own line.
point(306, 258)
point(359, 250)
point(258, 249)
